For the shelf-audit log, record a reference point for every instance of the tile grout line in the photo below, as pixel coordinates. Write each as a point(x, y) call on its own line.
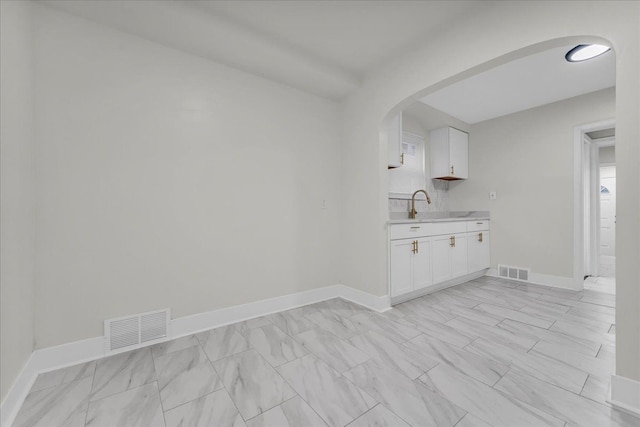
point(93, 378)
point(155, 370)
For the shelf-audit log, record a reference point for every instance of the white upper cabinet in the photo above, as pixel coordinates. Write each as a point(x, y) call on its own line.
point(449, 154)
point(395, 142)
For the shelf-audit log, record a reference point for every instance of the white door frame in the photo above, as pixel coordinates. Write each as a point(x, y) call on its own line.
point(582, 161)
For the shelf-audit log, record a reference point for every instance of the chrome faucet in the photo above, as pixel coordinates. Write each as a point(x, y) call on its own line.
point(414, 212)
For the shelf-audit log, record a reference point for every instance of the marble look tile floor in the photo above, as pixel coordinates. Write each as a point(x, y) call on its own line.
point(489, 352)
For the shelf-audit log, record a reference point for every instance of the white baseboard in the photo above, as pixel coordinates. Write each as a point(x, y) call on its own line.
point(544, 280)
point(188, 325)
point(625, 394)
point(52, 358)
point(375, 303)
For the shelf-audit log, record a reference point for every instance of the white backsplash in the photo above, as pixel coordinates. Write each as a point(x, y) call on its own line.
point(438, 191)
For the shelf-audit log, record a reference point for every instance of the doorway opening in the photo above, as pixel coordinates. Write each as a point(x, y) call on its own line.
point(598, 173)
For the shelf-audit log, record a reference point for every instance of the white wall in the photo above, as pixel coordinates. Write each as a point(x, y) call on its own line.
point(166, 180)
point(607, 154)
point(486, 40)
point(527, 159)
point(17, 191)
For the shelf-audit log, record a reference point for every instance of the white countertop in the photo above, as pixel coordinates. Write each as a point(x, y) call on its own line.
point(403, 217)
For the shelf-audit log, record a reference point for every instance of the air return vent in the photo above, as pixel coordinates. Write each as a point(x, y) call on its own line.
point(135, 331)
point(514, 273)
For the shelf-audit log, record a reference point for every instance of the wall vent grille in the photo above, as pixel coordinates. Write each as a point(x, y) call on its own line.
point(137, 330)
point(514, 273)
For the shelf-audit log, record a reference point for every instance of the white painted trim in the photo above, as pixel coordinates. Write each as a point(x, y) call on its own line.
point(376, 303)
point(544, 280)
point(44, 360)
point(609, 141)
point(61, 356)
point(625, 394)
point(578, 190)
point(188, 325)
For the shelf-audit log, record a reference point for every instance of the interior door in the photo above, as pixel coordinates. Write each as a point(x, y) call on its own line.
point(607, 221)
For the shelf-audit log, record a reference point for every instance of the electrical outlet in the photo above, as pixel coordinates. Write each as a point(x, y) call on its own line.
point(493, 195)
point(324, 204)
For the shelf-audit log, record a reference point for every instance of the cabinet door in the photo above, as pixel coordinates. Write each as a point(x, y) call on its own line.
point(401, 254)
point(459, 266)
point(479, 252)
point(459, 153)
point(422, 265)
point(395, 142)
point(441, 258)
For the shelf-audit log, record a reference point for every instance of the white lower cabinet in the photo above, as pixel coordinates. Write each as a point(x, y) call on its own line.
point(479, 253)
point(449, 256)
point(435, 253)
point(411, 261)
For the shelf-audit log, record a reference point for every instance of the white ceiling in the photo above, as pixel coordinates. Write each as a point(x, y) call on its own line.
point(525, 83)
point(323, 47)
point(353, 35)
point(326, 47)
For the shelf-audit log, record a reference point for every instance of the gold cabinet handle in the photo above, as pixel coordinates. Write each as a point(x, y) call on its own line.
point(480, 237)
point(452, 241)
point(451, 170)
point(402, 159)
point(417, 247)
point(415, 227)
point(413, 246)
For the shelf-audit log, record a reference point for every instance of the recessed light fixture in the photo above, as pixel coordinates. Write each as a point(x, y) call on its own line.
point(582, 52)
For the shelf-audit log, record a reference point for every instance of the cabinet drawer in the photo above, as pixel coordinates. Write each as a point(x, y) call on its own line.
point(422, 229)
point(478, 225)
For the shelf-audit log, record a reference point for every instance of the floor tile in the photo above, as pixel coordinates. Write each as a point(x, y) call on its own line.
point(331, 395)
point(292, 413)
point(537, 365)
point(494, 333)
point(483, 369)
point(254, 386)
point(215, 409)
point(185, 375)
point(138, 407)
point(274, 345)
point(331, 321)
point(440, 331)
point(403, 359)
point(588, 364)
point(62, 405)
point(582, 345)
point(342, 307)
point(597, 388)
point(174, 345)
point(484, 402)
point(581, 330)
point(514, 315)
point(471, 420)
point(252, 323)
point(379, 416)
point(337, 353)
point(410, 400)
point(374, 322)
point(222, 342)
point(115, 374)
point(292, 322)
point(556, 401)
point(599, 298)
point(64, 375)
point(471, 314)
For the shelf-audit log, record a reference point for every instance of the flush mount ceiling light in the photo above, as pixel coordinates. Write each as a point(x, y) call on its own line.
point(582, 52)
